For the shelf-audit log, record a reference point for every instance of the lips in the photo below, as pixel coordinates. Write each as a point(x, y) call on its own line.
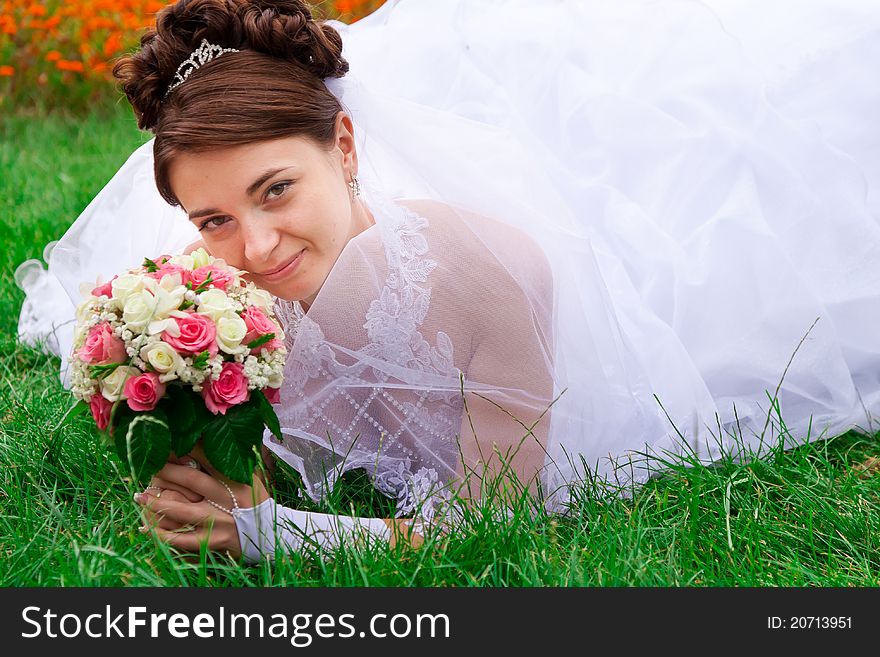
point(284, 269)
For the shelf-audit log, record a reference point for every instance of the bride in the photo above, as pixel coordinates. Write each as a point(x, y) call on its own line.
point(542, 243)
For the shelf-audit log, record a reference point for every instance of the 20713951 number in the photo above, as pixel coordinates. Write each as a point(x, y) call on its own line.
point(809, 622)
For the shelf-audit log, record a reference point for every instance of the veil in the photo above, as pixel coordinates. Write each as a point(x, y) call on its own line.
point(588, 257)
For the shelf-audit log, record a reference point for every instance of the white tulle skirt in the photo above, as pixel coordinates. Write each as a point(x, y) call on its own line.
point(722, 157)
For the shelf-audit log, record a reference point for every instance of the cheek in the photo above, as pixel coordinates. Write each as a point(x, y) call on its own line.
point(227, 248)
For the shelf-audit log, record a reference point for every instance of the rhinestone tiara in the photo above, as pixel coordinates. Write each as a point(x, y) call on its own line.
point(199, 57)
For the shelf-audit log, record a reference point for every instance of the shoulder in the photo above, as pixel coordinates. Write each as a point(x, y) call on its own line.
point(481, 239)
point(474, 233)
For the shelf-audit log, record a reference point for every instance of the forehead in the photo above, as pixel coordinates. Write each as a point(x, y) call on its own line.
point(289, 151)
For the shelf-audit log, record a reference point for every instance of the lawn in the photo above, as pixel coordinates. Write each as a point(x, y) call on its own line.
point(808, 516)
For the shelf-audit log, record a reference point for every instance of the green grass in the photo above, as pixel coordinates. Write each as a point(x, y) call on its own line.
point(809, 516)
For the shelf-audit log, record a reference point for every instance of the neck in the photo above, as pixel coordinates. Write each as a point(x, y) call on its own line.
point(362, 219)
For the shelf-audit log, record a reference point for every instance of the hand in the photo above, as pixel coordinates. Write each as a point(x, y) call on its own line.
point(176, 505)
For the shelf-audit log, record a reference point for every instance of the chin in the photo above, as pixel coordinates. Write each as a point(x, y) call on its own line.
point(288, 291)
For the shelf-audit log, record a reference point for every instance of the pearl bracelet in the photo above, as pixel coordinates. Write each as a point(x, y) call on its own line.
point(235, 511)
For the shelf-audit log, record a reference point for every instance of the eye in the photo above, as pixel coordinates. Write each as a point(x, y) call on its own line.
point(277, 190)
point(212, 223)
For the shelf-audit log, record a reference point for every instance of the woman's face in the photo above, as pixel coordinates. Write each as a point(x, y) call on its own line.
point(279, 209)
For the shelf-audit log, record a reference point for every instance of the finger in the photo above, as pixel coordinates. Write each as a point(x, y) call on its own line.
point(169, 486)
point(198, 453)
point(195, 513)
point(196, 481)
point(187, 460)
point(192, 541)
point(187, 541)
point(153, 521)
point(159, 492)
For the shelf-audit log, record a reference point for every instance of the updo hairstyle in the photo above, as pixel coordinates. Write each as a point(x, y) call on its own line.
point(272, 88)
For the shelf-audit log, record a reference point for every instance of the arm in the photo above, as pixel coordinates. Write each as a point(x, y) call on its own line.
point(506, 431)
point(182, 517)
point(262, 528)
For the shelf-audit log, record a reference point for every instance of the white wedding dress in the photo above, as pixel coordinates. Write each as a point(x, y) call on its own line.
point(632, 212)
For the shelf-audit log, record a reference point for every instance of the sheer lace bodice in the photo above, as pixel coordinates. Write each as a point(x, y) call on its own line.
point(376, 375)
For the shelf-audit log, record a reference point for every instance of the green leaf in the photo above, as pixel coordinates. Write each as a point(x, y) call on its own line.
point(143, 443)
point(205, 283)
point(185, 305)
point(270, 419)
point(150, 266)
point(260, 341)
point(200, 361)
point(102, 371)
point(230, 441)
point(188, 416)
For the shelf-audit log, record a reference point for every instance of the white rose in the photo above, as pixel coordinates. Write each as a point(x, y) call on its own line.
point(231, 330)
point(168, 297)
point(113, 385)
point(200, 258)
point(260, 298)
point(126, 285)
point(83, 315)
point(215, 303)
point(139, 310)
point(171, 281)
point(185, 261)
point(162, 357)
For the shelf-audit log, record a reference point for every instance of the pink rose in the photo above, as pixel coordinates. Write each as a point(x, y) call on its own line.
point(220, 278)
point(272, 345)
point(228, 390)
point(273, 395)
point(102, 347)
point(106, 289)
point(100, 410)
point(197, 333)
point(144, 391)
point(257, 325)
point(169, 270)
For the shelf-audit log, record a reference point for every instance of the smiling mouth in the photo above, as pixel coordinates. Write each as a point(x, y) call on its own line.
point(284, 266)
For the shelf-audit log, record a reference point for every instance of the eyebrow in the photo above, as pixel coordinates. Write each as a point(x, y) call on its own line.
point(251, 190)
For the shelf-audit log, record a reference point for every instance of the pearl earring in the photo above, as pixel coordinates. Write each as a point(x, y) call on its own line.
point(355, 187)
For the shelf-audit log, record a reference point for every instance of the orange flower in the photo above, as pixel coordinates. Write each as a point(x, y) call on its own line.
point(36, 10)
point(112, 45)
point(68, 65)
point(6, 70)
point(53, 56)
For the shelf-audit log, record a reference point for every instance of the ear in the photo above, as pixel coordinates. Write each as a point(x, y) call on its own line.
point(346, 145)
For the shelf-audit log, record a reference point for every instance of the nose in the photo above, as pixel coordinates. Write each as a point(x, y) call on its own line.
point(261, 238)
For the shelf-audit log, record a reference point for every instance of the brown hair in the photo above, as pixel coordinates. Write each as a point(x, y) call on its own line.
point(272, 88)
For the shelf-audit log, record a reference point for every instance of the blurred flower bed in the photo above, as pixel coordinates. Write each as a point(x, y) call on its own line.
point(59, 53)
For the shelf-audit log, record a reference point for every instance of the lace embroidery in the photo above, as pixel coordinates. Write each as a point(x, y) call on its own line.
point(392, 325)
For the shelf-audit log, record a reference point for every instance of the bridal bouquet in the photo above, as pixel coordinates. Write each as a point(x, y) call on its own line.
point(179, 349)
